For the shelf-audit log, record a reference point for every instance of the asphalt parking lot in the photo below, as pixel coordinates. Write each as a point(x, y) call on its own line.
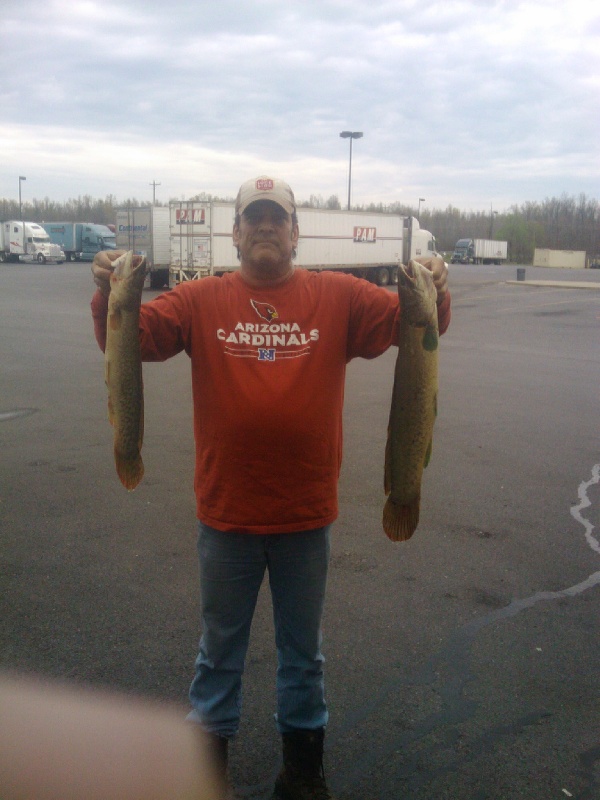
point(460, 665)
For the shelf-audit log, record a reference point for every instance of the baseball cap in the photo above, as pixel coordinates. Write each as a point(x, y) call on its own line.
point(265, 188)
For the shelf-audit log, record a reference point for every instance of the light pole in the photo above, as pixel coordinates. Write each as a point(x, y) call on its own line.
point(421, 200)
point(21, 179)
point(492, 221)
point(350, 135)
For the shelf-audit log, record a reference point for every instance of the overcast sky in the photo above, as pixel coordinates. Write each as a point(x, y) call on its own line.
point(474, 104)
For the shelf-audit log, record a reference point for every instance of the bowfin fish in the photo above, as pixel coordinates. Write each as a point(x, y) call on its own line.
point(123, 367)
point(414, 401)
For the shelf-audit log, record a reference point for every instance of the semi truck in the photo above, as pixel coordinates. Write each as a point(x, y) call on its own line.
point(367, 244)
point(28, 240)
point(80, 240)
point(479, 251)
point(145, 230)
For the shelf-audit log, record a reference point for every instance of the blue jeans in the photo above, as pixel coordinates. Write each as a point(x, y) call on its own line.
point(232, 567)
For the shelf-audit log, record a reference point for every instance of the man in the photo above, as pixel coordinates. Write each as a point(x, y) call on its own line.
point(268, 346)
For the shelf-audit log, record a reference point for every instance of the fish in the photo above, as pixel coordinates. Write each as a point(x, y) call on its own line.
point(123, 367)
point(414, 401)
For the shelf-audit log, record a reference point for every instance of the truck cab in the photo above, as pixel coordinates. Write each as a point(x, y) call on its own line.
point(463, 252)
point(423, 243)
point(28, 240)
point(94, 239)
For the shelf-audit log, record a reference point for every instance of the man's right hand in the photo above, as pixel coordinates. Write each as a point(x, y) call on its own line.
point(102, 268)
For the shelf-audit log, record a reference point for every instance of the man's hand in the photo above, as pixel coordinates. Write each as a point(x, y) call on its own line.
point(439, 269)
point(102, 268)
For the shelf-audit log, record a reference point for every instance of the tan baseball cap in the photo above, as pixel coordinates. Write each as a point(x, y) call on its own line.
point(265, 188)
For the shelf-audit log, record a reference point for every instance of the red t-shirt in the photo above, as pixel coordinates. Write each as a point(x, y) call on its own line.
point(268, 372)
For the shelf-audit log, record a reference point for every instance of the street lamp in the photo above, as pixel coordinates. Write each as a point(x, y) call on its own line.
point(350, 135)
point(21, 178)
point(421, 200)
point(492, 221)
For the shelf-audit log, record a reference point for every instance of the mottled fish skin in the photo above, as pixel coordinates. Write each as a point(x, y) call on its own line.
point(414, 401)
point(123, 367)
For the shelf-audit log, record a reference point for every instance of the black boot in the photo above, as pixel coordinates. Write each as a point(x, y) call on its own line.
point(302, 776)
point(217, 750)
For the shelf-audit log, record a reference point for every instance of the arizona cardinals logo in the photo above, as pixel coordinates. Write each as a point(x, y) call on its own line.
point(265, 310)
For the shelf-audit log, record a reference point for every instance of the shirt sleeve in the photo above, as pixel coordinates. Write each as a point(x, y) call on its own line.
point(374, 319)
point(164, 324)
point(444, 313)
point(99, 306)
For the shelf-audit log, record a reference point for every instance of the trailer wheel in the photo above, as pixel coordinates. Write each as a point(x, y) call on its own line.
point(3, 257)
point(383, 276)
point(41, 258)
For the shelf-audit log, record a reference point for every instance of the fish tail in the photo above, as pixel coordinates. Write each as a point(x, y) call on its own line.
point(400, 521)
point(130, 472)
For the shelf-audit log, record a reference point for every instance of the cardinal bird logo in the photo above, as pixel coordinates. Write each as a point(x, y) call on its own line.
point(265, 310)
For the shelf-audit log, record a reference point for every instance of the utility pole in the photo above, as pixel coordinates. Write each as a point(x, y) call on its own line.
point(154, 184)
point(21, 179)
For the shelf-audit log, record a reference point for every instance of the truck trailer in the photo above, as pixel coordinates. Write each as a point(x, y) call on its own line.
point(28, 240)
point(479, 251)
point(367, 244)
point(145, 230)
point(80, 240)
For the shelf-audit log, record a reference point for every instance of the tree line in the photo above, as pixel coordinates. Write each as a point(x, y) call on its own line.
point(559, 223)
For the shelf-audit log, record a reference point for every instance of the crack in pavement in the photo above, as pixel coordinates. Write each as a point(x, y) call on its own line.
point(451, 665)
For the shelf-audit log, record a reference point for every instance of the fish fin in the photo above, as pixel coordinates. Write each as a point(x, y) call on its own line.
point(111, 413)
point(387, 473)
point(114, 318)
point(400, 521)
point(130, 472)
point(428, 453)
point(430, 339)
point(141, 437)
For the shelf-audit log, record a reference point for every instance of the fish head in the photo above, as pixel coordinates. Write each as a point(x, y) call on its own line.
point(417, 293)
point(129, 267)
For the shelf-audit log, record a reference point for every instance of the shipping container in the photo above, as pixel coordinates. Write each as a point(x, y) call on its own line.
point(565, 259)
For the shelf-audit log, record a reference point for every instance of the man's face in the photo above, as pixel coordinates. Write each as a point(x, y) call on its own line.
point(265, 238)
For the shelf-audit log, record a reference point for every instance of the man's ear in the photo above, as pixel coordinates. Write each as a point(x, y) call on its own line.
point(295, 234)
point(236, 235)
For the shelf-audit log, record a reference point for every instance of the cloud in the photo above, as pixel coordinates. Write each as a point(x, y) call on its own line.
point(465, 100)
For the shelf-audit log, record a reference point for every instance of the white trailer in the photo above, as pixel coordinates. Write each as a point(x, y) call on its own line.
point(565, 259)
point(145, 230)
point(367, 244)
point(27, 240)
